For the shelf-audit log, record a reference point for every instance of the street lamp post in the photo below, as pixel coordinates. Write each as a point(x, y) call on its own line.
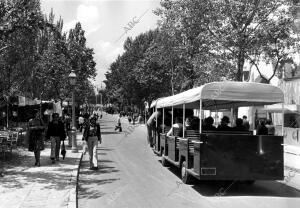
point(72, 78)
point(86, 105)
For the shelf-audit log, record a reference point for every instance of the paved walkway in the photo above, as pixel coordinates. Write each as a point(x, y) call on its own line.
point(130, 175)
point(50, 185)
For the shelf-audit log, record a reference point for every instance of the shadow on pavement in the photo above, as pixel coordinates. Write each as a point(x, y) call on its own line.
point(88, 190)
point(105, 149)
point(90, 180)
point(20, 171)
point(232, 189)
point(50, 176)
point(259, 188)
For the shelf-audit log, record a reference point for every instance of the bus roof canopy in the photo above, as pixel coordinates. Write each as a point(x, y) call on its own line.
point(224, 95)
point(153, 103)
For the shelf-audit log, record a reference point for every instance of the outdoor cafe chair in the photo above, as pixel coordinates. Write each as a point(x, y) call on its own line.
point(3, 145)
point(9, 141)
point(12, 140)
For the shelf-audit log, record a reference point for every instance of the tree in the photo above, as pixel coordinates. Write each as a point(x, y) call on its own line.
point(139, 73)
point(36, 57)
point(228, 31)
point(82, 62)
point(20, 21)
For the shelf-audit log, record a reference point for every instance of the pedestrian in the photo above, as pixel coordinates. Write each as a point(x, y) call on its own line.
point(133, 119)
point(56, 133)
point(68, 122)
point(129, 118)
point(35, 136)
point(119, 126)
point(246, 123)
point(151, 126)
point(140, 119)
point(92, 135)
point(80, 122)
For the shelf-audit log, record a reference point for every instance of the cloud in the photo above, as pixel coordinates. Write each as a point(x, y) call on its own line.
point(105, 54)
point(107, 51)
point(89, 18)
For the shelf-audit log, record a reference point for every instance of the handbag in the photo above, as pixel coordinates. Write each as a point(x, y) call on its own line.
point(63, 150)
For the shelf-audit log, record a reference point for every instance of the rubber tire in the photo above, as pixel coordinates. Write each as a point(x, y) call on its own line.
point(185, 176)
point(164, 162)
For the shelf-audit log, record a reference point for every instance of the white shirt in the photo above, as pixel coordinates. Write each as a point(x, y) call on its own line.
point(176, 125)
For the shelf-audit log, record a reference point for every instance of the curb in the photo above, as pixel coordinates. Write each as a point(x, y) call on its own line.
point(77, 178)
point(71, 201)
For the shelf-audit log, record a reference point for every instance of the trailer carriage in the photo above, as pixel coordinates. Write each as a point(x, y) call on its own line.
point(217, 155)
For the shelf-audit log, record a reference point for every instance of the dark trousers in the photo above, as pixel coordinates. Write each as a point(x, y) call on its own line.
point(119, 127)
point(150, 130)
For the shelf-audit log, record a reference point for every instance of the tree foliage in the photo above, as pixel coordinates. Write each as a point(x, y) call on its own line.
point(36, 56)
point(220, 36)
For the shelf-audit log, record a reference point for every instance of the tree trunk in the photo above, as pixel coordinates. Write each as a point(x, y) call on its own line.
point(240, 66)
point(172, 77)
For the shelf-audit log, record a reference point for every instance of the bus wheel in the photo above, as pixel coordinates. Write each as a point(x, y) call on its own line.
point(164, 162)
point(185, 176)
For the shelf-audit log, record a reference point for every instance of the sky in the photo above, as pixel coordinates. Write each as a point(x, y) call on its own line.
point(106, 24)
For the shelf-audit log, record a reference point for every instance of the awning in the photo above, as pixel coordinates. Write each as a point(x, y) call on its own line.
point(287, 108)
point(225, 95)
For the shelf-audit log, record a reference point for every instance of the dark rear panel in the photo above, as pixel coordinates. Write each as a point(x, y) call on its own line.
point(239, 157)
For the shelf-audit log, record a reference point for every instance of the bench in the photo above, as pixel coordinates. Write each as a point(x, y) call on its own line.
point(192, 135)
point(4, 137)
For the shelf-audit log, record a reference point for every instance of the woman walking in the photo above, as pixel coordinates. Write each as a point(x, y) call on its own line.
point(92, 135)
point(56, 133)
point(36, 143)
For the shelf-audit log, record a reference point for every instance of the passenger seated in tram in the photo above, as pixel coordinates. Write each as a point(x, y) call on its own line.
point(261, 128)
point(224, 124)
point(208, 124)
point(239, 125)
point(188, 124)
point(195, 123)
point(270, 127)
point(177, 128)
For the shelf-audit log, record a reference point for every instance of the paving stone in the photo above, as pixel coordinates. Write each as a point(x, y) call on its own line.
point(48, 186)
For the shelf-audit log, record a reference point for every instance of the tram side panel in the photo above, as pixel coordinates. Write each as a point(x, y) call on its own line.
point(157, 142)
point(238, 157)
point(171, 140)
point(183, 152)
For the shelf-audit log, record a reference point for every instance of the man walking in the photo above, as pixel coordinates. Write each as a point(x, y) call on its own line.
point(56, 133)
point(92, 135)
point(151, 126)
